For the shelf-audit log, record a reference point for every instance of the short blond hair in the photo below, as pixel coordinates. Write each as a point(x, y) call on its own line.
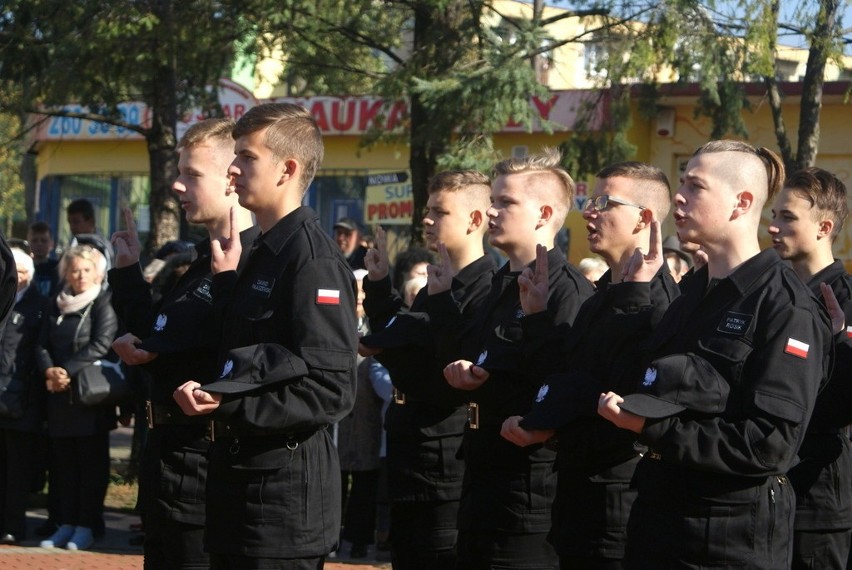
point(86, 252)
point(546, 165)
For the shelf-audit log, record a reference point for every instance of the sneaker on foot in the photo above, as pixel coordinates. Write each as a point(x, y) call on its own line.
point(81, 540)
point(59, 538)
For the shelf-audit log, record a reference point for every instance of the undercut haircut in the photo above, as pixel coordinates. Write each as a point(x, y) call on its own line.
point(292, 133)
point(474, 185)
point(545, 165)
point(219, 131)
point(771, 161)
point(825, 193)
point(651, 188)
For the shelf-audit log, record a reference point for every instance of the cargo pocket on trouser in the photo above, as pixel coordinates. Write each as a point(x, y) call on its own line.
point(720, 531)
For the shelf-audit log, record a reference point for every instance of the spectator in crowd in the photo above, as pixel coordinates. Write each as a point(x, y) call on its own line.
point(409, 264)
point(347, 236)
point(359, 440)
point(46, 278)
point(22, 394)
point(593, 268)
point(80, 215)
point(79, 330)
point(678, 261)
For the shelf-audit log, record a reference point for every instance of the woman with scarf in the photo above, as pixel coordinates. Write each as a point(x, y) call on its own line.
point(79, 330)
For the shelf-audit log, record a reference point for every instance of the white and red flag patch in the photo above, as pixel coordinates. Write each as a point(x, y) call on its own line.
point(328, 296)
point(848, 332)
point(797, 348)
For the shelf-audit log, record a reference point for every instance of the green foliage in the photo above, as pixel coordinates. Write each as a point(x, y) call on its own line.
point(11, 153)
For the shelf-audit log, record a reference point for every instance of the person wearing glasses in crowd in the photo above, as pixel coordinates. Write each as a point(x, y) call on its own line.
point(504, 515)
point(734, 368)
point(807, 217)
point(595, 460)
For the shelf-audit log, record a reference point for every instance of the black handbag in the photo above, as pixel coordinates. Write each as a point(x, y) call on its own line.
point(11, 398)
point(103, 382)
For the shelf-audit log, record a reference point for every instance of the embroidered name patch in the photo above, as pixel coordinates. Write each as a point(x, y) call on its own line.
point(328, 296)
point(263, 286)
point(203, 290)
point(734, 323)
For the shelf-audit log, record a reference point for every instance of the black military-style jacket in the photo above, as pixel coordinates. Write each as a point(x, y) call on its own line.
point(289, 339)
point(595, 460)
point(823, 477)
point(506, 486)
point(425, 426)
point(182, 329)
point(716, 482)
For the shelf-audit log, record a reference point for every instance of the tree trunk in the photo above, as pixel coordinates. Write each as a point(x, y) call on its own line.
point(812, 86)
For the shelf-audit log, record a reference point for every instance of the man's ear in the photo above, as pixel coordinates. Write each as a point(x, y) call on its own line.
point(546, 214)
point(289, 169)
point(476, 220)
point(646, 216)
point(826, 226)
point(745, 201)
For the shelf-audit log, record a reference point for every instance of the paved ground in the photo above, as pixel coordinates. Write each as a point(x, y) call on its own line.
point(114, 551)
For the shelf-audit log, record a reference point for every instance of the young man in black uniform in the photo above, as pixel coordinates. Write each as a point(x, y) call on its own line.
point(712, 487)
point(806, 218)
point(289, 338)
point(505, 507)
point(173, 340)
point(426, 419)
point(595, 460)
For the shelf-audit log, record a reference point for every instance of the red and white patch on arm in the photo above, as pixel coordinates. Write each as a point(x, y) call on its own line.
point(848, 332)
point(797, 348)
point(328, 296)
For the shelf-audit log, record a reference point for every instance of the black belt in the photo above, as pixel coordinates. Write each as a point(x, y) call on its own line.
point(166, 415)
point(221, 431)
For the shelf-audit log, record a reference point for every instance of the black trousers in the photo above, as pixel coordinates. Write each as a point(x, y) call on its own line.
point(228, 562)
point(17, 470)
point(823, 550)
point(82, 473)
point(359, 493)
point(492, 549)
point(424, 535)
point(173, 545)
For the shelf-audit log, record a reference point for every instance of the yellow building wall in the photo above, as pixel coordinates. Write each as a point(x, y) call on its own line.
point(92, 157)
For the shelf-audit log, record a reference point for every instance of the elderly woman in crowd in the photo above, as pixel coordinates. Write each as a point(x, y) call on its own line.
point(79, 330)
point(21, 401)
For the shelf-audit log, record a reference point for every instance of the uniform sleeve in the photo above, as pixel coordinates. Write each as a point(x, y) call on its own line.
point(381, 302)
point(104, 325)
point(325, 337)
point(760, 431)
point(131, 299)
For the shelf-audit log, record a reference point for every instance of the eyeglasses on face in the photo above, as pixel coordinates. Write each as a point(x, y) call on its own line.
point(600, 203)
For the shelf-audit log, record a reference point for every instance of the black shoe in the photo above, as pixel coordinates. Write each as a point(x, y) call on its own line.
point(8, 539)
point(359, 550)
point(47, 528)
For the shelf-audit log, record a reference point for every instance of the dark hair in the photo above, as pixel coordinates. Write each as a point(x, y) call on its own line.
point(40, 228)
point(83, 207)
point(408, 259)
point(771, 161)
point(292, 133)
point(824, 191)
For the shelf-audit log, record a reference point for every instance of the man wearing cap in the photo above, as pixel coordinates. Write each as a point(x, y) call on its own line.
point(287, 357)
point(504, 514)
point(712, 487)
point(807, 217)
point(347, 236)
point(174, 340)
point(595, 460)
point(426, 418)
